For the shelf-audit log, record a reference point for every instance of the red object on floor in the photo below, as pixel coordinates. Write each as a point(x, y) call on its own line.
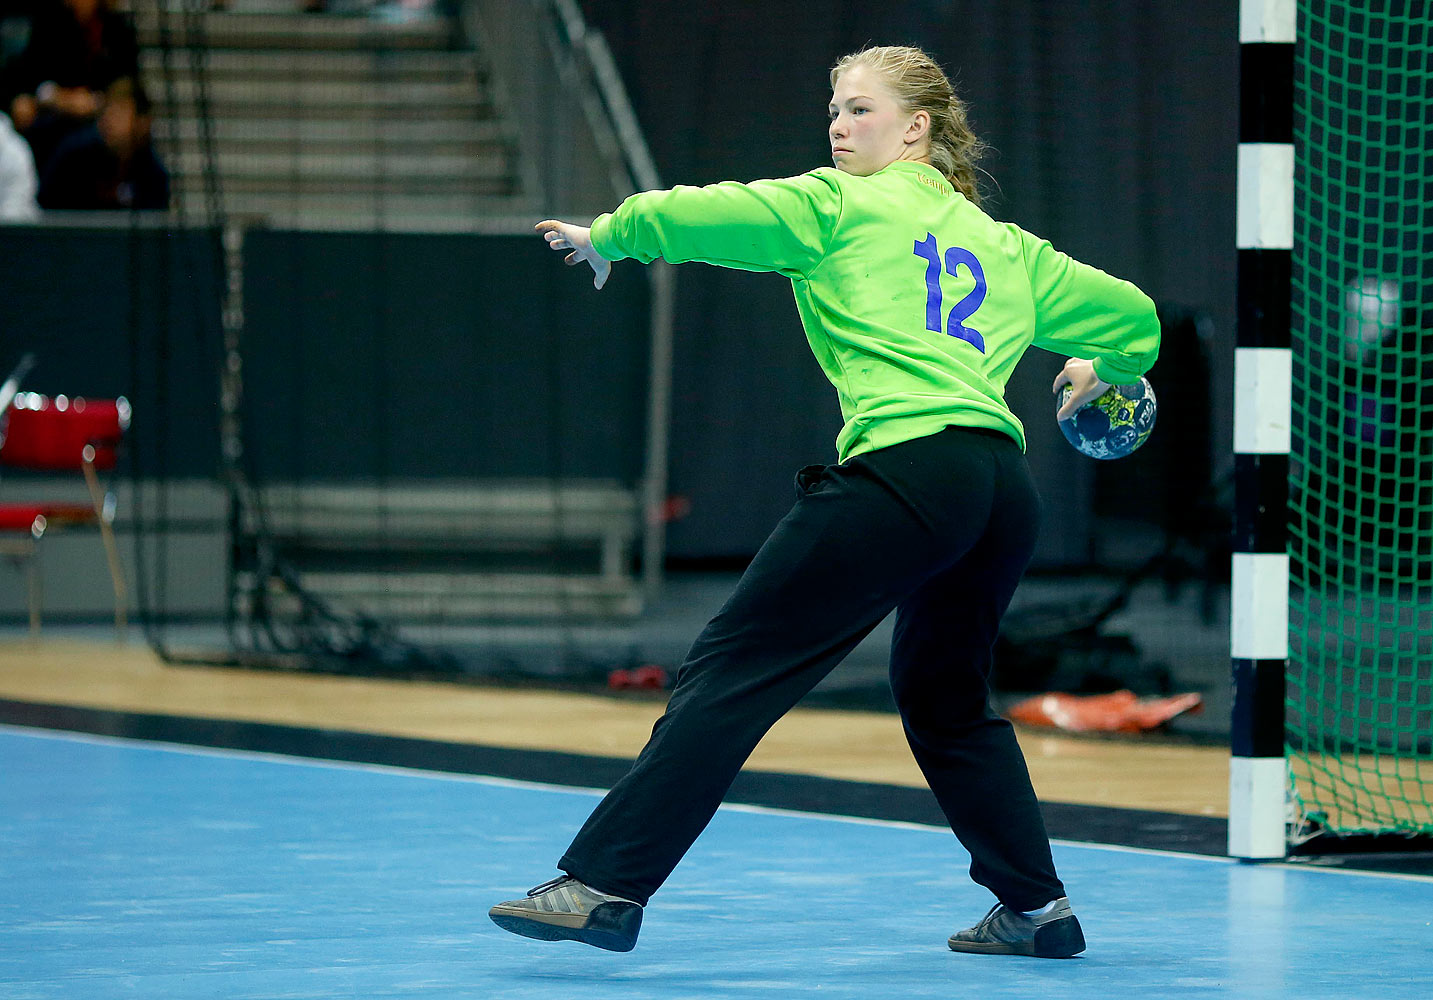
point(676, 507)
point(646, 678)
point(650, 677)
point(1116, 712)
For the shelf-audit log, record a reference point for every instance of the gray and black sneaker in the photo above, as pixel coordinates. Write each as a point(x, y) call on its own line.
point(566, 910)
point(1054, 934)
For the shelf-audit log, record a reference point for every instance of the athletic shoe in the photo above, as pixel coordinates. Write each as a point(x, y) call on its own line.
point(566, 910)
point(1004, 931)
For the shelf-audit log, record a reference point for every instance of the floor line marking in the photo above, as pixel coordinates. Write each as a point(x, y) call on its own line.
point(483, 779)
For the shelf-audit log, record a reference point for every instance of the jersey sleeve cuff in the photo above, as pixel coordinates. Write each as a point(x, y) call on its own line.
point(601, 236)
point(1115, 373)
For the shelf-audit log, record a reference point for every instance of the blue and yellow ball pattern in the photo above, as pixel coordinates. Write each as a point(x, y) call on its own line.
point(1113, 424)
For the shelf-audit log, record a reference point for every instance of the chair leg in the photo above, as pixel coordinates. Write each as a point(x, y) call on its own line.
point(116, 571)
point(116, 574)
point(35, 590)
point(26, 550)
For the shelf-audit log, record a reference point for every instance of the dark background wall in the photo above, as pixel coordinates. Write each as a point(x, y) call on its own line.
point(423, 356)
point(366, 355)
point(1113, 132)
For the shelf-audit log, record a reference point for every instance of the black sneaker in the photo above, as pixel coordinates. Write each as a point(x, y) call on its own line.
point(566, 910)
point(1055, 934)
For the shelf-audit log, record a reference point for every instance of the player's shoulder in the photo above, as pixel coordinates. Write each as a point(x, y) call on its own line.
point(822, 179)
point(823, 182)
point(879, 188)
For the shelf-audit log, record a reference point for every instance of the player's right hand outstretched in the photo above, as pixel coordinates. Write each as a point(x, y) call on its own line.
point(578, 239)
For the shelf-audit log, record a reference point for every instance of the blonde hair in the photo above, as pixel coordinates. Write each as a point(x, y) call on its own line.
point(921, 85)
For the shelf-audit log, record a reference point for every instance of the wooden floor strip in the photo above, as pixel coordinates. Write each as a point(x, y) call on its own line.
point(848, 746)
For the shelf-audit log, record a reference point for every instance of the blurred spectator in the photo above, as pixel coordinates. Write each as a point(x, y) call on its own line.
point(111, 163)
point(76, 49)
point(17, 176)
point(403, 11)
point(15, 18)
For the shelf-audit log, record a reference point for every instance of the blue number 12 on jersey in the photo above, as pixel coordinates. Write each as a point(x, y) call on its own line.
point(965, 308)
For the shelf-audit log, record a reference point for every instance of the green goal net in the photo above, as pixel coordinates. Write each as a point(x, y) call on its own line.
point(1360, 682)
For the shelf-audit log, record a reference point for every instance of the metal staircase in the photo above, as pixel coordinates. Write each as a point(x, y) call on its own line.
point(349, 123)
point(332, 122)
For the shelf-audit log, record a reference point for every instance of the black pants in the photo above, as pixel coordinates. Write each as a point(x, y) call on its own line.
point(940, 528)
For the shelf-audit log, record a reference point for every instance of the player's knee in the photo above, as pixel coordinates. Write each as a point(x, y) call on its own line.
point(940, 707)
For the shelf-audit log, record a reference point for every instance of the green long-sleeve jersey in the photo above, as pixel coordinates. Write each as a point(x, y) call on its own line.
point(915, 302)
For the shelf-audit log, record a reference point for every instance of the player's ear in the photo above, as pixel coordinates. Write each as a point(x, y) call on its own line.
point(919, 126)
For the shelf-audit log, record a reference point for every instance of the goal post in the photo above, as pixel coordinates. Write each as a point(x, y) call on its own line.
point(1258, 770)
point(1332, 577)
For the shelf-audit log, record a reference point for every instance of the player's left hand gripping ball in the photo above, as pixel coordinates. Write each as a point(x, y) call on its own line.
point(1113, 424)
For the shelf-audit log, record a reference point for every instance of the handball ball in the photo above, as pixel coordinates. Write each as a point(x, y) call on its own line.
point(1113, 424)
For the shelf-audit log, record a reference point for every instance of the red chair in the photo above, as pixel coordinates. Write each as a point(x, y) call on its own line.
point(62, 435)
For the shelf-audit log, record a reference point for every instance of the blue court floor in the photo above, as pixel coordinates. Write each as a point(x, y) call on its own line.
point(142, 870)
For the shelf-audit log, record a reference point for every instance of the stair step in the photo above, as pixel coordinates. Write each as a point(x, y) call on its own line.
point(434, 212)
point(257, 64)
point(300, 97)
point(361, 190)
point(296, 31)
point(286, 151)
point(272, 134)
point(304, 167)
point(436, 596)
point(341, 116)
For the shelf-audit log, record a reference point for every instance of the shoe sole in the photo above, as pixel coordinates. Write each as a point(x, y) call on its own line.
point(1060, 939)
point(610, 926)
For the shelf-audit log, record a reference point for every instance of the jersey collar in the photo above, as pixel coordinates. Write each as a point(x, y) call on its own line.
point(928, 172)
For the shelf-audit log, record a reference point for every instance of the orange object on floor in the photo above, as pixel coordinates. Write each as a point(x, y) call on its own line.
point(1116, 712)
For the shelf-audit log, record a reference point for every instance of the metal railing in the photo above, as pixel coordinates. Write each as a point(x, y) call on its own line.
point(583, 152)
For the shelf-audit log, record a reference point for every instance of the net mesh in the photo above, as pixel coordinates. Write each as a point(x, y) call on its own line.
point(1360, 685)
